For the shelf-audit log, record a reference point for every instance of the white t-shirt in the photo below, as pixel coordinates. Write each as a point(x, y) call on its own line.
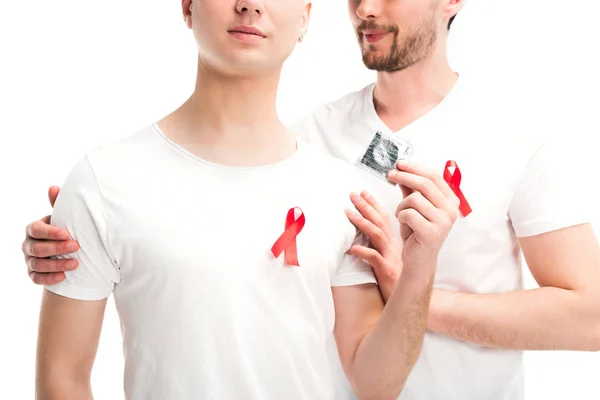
point(516, 185)
point(207, 311)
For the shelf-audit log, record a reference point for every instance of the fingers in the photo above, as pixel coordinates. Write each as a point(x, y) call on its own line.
point(370, 209)
point(428, 183)
point(429, 207)
point(415, 222)
point(374, 203)
point(47, 279)
point(419, 184)
point(49, 265)
point(428, 174)
point(419, 203)
point(369, 255)
point(42, 230)
point(375, 234)
point(406, 191)
point(53, 194)
point(43, 249)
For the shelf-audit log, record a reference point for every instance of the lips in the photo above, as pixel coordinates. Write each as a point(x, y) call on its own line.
point(373, 32)
point(248, 30)
point(373, 36)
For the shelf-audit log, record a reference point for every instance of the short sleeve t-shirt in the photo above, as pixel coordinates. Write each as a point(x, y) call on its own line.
point(516, 186)
point(207, 311)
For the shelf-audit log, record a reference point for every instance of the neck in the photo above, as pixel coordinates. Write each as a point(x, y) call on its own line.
point(402, 97)
point(231, 119)
point(228, 105)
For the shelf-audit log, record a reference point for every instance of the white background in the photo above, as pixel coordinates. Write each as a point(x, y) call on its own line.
point(77, 73)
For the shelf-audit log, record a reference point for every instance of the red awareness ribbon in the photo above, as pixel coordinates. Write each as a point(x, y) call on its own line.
point(287, 240)
point(453, 180)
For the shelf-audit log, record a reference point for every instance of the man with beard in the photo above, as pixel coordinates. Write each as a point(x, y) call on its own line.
point(514, 202)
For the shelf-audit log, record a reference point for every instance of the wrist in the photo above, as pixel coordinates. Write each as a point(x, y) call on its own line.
point(419, 273)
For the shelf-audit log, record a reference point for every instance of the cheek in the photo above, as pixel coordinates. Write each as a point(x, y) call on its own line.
point(406, 13)
point(202, 34)
point(285, 18)
point(209, 22)
point(288, 31)
point(352, 7)
point(285, 43)
point(209, 34)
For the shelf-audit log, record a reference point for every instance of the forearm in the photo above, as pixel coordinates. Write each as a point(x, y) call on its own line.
point(547, 318)
point(389, 351)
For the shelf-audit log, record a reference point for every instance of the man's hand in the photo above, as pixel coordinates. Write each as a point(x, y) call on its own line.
point(379, 353)
point(426, 214)
point(385, 251)
point(43, 241)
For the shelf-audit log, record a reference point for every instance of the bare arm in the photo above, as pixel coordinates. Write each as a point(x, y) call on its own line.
point(379, 349)
point(69, 331)
point(563, 314)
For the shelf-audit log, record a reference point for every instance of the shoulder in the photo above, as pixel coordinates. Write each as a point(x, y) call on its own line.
point(140, 143)
point(130, 156)
point(487, 118)
point(327, 116)
point(115, 162)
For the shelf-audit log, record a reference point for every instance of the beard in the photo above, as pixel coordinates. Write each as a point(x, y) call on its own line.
point(406, 50)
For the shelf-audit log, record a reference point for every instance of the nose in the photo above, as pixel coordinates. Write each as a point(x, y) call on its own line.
point(255, 7)
point(369, 9)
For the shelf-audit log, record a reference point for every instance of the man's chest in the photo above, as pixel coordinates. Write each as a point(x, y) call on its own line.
point(228, 234)
point(486, 175)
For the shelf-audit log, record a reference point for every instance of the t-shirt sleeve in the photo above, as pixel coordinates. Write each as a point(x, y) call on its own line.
point(80, 209)
point(551, 193)
point(352, 270)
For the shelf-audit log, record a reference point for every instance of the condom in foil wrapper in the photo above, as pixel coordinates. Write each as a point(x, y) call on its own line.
point(383, 153)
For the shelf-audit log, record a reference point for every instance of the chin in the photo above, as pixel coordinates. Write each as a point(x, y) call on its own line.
point(374, 58)
point(382, 63)
point(376, 51)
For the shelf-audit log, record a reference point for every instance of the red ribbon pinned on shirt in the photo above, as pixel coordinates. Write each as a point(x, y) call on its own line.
point(453, 180)
point(287, 240)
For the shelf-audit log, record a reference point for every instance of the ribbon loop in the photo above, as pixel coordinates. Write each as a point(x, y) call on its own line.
point(453, 180)
point(287, 240)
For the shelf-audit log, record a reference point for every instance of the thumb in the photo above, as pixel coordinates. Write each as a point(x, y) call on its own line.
point(53, 194)
point(405, 232)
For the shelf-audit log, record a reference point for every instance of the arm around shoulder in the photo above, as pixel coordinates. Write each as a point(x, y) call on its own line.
point(73, 310)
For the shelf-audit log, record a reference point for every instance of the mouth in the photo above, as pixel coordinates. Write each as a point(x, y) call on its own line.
point(373, 36)
point(247, 33)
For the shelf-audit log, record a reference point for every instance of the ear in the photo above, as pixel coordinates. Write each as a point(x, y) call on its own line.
point(186, 8)
point(305, 19)
point(452, 8)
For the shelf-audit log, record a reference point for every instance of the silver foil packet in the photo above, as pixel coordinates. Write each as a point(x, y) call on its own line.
point(383, 153)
